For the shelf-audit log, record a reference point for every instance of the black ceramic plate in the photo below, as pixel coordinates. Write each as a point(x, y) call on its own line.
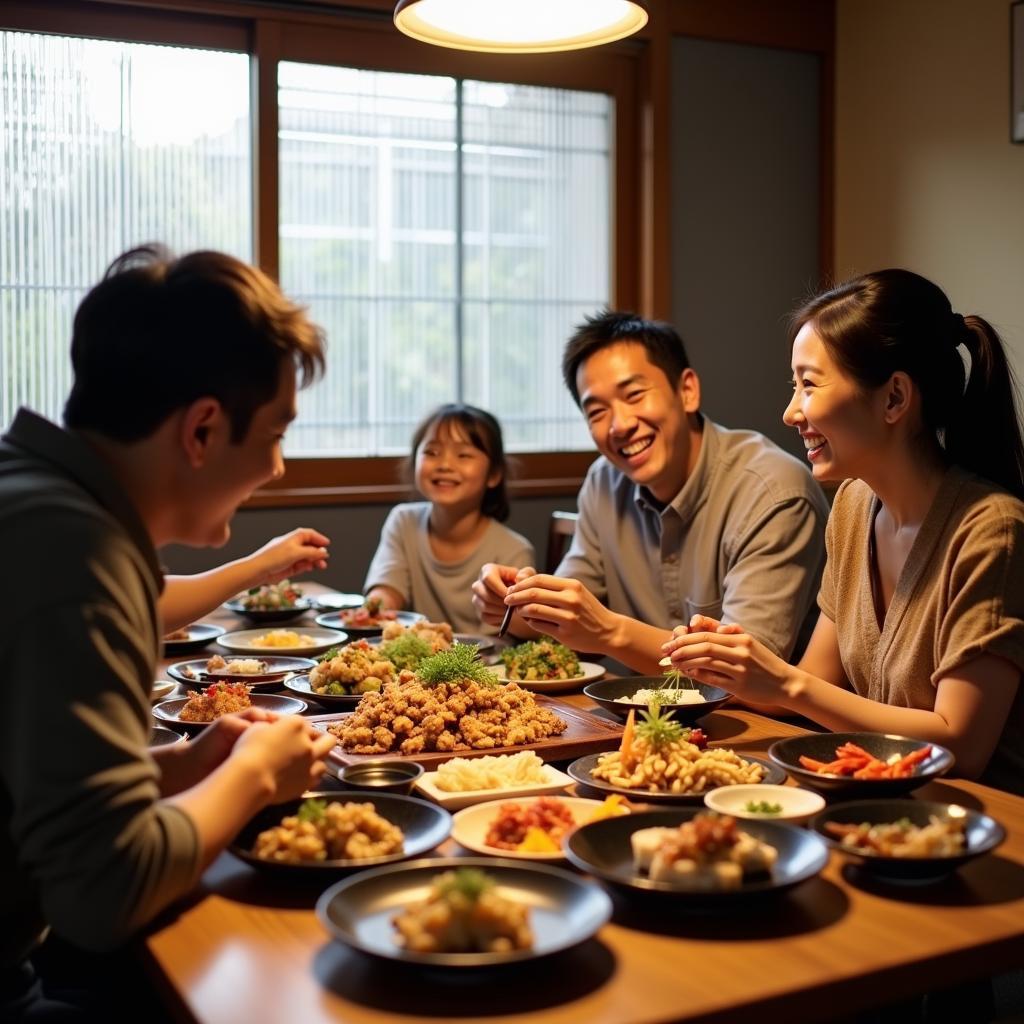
point(982, 833)
point(299, 685)
point(424, 825)
point(565, 910)
point(169, 711)
point(194, 674)
point(262, 615)
point(161, 736)
point(200, 635)
point(822, 747)
point(581, 767)
point(605, 691)
point(336, 620)
point(603, 848)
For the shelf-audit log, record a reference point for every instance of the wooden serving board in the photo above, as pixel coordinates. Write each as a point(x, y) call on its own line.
point(586, 734)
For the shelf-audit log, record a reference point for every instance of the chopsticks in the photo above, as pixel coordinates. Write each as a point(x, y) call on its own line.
point(506, 621)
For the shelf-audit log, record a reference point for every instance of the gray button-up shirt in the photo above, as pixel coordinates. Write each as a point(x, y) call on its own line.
point(743, 541)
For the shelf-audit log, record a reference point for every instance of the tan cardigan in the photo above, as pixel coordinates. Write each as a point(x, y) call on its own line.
point(960, 595)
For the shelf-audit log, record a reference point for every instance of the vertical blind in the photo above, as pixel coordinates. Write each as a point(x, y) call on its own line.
point(447, 234)
point(105, 146)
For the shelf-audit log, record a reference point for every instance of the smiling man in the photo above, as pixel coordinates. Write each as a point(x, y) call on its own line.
point(678, 518)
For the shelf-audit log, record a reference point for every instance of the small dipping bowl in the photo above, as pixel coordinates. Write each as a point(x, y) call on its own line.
point(381, 776)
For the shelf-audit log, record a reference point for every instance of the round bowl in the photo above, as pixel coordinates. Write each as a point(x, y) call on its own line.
point(982, 835)
point(269, 615)
point(161, 736)
point(200, 635)
point(822, 747)
point(384, 776)
point(606, 691)
point(797, 804)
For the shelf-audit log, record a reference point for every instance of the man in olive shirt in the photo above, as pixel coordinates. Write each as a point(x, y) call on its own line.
point(678, 518)
point(184, 384)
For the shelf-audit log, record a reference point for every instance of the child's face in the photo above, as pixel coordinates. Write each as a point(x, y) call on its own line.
point(451, 470)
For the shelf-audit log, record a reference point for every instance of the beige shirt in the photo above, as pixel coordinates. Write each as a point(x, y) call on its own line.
point(743, 541)
point(960, 595)
point(85, 844)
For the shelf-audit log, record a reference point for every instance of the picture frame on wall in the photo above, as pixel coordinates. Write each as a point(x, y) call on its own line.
point(1017, 71)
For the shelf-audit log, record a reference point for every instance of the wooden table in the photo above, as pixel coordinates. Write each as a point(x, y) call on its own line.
point(251, 949)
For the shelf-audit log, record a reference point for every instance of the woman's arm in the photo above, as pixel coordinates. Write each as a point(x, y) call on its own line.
point(187, 598)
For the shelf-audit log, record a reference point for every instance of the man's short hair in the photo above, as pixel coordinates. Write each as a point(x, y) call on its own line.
point(159, 332)
point(664, 346)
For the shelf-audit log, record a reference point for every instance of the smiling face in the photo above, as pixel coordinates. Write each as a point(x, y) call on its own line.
point(843, 429)
point(450, 470)
point(641, 423)
point(229, 472)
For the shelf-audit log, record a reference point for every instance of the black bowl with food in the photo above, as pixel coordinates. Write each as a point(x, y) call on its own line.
point(381, 776)
point(269, 615)
point(705, 698)
point(908, 840)
point(422, 826)
point(829, 762)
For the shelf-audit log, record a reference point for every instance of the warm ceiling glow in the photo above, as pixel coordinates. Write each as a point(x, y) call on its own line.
point(519, 26)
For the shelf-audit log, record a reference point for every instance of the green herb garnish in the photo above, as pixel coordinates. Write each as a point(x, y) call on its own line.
point(328, 655)
point(657, 729)
point(406, 651)
point(676, 680)
point(459, 662)
point(312, 810)
point(468, 883)
point(762, 807)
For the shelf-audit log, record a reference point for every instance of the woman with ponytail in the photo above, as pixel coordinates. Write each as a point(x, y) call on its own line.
point(921, 629)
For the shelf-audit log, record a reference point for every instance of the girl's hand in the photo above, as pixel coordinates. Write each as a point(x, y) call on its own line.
point(732, 659)
point(297, 552)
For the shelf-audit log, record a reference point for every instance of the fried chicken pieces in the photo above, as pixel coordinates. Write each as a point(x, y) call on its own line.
point(410, 718)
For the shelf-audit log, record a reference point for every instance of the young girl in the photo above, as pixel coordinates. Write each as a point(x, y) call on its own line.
point(430, 552)
point(922, 602)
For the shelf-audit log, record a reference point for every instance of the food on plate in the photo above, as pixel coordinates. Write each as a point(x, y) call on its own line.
point(452, 702)
point(854, 761)
point(271, 597)
point(181, 633)
point(941, 837)
point(762, 807)
point(659, 755)
point(676, 689)
point(464, 914)
point(438, 634)
point(540, 825)
point(237, 666)
point(356, 668)
point(283, 638)
point(540, 659)
point(493, 771)
point(216, 700)
point(329, 831)
point(408, 648)
point(708, 852)
point(368, 615)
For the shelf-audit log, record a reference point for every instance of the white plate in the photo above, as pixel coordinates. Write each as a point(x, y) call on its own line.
point(427, 785)
point(470, 826)
point(241, 642)
point(163, 688)
point(588, 673)
point(797, 804)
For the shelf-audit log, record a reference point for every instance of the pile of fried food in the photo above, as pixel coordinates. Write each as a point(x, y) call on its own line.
point(452, 702)
point(321, 831)
point(941, 837)
point(216, 700)
point(464, 914)
point(437, 634)
point(659, 755)
point(356, 668)
point(707, 853)
point(854, 761)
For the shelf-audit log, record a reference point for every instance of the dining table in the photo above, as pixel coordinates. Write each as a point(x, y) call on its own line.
point(248, 946)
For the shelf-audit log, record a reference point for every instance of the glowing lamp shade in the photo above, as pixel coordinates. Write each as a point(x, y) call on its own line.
point(519, 26)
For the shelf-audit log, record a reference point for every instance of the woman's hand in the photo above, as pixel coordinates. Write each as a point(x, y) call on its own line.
point(730, 658)
point(297, 552)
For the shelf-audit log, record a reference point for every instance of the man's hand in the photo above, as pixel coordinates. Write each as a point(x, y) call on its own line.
point(297, 552)
point(565, 609)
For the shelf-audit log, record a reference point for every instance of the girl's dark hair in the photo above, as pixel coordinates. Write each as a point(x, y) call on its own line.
point(896, 320)
point(484, 433)
point(664, 347)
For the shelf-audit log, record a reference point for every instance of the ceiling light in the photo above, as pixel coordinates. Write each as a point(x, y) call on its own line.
point(519, 26)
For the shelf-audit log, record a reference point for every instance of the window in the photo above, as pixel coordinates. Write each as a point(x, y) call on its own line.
point(447, 234)
point(107, 145)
